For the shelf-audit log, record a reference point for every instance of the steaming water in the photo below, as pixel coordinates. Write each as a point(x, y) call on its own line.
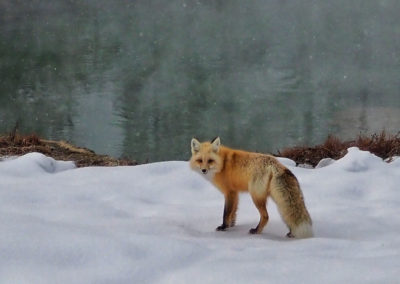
point(140, 78)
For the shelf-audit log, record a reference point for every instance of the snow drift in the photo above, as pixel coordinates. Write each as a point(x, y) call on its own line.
point(156, 223)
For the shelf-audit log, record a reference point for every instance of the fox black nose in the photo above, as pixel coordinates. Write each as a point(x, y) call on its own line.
point(204, 171)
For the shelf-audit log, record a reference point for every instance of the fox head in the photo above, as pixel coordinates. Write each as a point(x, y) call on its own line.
point(205, 156)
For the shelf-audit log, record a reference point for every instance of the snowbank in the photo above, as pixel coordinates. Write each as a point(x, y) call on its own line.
point(156, 223)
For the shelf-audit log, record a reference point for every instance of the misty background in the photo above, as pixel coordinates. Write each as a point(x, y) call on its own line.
point(139, 79)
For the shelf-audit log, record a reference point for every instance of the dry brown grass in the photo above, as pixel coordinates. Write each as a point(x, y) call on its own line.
point(382, 145)
point(15, 144)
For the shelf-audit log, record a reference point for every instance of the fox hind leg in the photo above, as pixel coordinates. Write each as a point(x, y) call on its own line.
point(260, 201)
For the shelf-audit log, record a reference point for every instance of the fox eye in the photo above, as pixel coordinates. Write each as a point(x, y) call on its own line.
point(210, 161)
point(200, 161)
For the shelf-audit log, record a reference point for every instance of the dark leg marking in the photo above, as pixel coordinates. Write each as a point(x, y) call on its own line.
point(290, 235)
point(229, 207)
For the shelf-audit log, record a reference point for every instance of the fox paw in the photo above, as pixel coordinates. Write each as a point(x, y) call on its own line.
point(253, 231)
point(221, 228)
point(290, 235)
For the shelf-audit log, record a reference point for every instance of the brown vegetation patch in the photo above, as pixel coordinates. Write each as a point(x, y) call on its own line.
point(17, 145)
point(382, 145)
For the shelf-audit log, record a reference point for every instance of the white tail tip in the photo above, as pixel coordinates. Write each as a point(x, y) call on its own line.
point(304, 230)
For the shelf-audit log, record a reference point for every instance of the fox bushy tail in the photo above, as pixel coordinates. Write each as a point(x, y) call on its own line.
point(286, 193)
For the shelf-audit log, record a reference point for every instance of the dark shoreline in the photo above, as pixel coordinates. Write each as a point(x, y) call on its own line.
point(16, 145)
point(382, 145)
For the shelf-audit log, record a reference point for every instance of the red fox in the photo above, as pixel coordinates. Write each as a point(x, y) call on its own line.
point(233, 171)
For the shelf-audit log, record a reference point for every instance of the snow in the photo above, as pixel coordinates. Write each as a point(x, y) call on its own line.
point(156, 223)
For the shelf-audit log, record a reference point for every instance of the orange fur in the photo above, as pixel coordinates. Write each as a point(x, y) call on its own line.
point(233, 171)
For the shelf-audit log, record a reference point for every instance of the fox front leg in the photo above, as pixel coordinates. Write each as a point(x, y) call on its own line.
point(229, 216)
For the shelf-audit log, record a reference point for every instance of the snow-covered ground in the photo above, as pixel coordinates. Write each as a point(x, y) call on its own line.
point(156, 223)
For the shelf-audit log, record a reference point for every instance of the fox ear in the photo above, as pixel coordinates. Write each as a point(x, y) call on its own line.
point(195, 145)
point(215, 144)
